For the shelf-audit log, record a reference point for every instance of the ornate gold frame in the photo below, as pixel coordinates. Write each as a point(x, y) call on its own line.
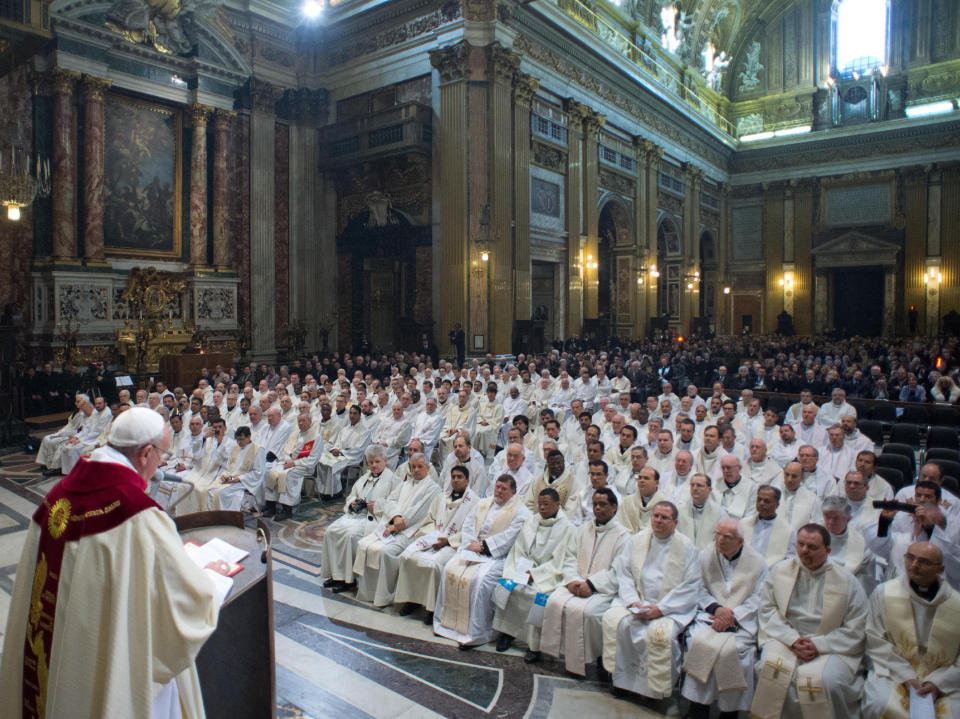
point(177, 252)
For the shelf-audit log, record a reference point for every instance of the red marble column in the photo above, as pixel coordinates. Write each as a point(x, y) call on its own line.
point(94, 90)
point(221, 215)
point(198, 187)
point(64, 165)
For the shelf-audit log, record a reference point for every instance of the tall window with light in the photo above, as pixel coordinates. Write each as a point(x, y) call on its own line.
point(860, 34)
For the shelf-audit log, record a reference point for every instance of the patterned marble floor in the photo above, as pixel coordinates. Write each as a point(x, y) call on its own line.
point(339, 657)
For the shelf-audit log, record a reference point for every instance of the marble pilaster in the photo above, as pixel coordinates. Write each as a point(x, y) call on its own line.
point(198, 187)
point(591, 212)
point(524, 88)
point(263, 97)
point(64, 165)
point(689, 302)
point(221, 211)
point(450, 139)
point(576, 113)
point(94, 90)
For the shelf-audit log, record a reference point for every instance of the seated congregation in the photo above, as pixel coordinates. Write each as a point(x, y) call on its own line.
point(699, 546)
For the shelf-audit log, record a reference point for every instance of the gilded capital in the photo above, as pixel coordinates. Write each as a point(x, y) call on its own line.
point(503, 62)
point(94, 88)
point(223, 119)
point(647, 150)
point(594, 122)
point(524, 88)
point(199, 114)
point(451, 62)
point(577, 112)
point(64, 81)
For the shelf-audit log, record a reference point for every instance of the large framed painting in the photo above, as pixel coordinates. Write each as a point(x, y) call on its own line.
point(142, 193)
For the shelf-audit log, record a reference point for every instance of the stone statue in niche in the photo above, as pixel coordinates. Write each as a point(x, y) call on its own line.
point(713, 65)
point(169, 26)
point(750, 74)
point(676, 28)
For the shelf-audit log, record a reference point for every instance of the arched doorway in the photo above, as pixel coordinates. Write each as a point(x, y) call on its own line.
point(615, 270)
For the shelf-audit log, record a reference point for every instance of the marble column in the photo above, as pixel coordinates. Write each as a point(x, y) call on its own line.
point(309, 270)
point(450, 140)
point(94, 90)
point(592, 125)
point(576, 114)
point(64, 166)
point(198, 187)
point(263, 99)
point(690, 297)
point(524, 88)
point(222, 122)
point(503, 63)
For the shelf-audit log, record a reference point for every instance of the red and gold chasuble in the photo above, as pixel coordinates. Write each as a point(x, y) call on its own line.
point(95, 497)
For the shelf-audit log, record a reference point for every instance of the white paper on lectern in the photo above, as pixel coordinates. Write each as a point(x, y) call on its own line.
point(921, 707)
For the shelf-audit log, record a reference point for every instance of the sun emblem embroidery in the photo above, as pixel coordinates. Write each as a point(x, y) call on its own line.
point(59, 517)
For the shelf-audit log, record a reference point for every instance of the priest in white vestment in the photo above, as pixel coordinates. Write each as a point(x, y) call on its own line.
point(700, 512)
point(812, 620)
point(216, 453)
point(86, 438)
point(346, 452)
point(464, 454)
point(377, 563)
point(297, 461)
point(435, 543)
point(558, 476)
point(768, 531)
point(798, 504)
point(721, 647)
point(847, 544)
point(912, 641)
point(239, 485)
point(533, 569)
point(51, 443)
point(785, 449)
point(460, 418)
point(760, 468)
point(574, 612)
point(489, 420)
point(92, 630)
point(636, 509)
point(464, 611)
point(427, 427)
point(626, 481)
point(362, 509)
point(658, 579)
point(392, 433)
point(736, 494)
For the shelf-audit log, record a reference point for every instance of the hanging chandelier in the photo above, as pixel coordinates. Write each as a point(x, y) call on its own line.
point(22, 178)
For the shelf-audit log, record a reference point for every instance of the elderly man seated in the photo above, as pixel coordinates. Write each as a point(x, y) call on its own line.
point(365, 504)
point(722, 641)
point(50, 445)
point(913, 643)
point(435, 543)
point(377, 563)
point(812, 619)
point(297, 460)
point(345, 452)
point(465, 609)
point(533, 569)
point(658, 578)
point(847, 544)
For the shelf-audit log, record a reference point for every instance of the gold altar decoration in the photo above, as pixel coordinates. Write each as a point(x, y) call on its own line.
point(149, 332)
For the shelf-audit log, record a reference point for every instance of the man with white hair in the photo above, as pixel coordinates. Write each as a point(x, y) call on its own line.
point(847, 544)
point(722, 641)
point(427, 427)
point(296, 461)
point(490, 414)
point(809, 430)
point(736, 494)
point(460, 418)
point(93, 425)
point(392, 433)
point(837, 407)
point(271, 434)
point(798, 504)
point(377, 562)
point(759, 467)
point(516, 468)
point(366, 503)
point(99, 579)
point(51, 444)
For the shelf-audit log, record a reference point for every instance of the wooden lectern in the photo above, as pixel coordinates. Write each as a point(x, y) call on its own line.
point(236, 665)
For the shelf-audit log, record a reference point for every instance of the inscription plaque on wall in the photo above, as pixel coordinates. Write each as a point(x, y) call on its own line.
point(862, 205)
point(748, 233)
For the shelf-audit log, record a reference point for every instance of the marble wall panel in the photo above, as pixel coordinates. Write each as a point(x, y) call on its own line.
point(239, 178)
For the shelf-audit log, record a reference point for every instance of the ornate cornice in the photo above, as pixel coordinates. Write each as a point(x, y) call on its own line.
point(479, 10)
point(261, 96)
point(199, 114)
point(647, 150)
point(451, 62)
point(577, 112)
point(593, 123)
point(94, 88)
